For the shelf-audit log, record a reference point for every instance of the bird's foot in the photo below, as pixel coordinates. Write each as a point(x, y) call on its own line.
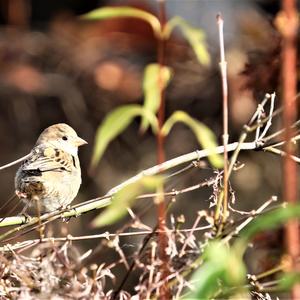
point(21, 195)
point(65, 208)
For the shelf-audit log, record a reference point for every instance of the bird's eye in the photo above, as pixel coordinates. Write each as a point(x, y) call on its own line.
point(65, 138)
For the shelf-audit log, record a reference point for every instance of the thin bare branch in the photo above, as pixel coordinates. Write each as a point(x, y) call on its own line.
point(223, 70)
point(14, 162)
point(248, 220)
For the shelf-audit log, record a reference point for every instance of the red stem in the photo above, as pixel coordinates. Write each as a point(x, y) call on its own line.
point(18, 13)
point(161, 207)
point(287, 22)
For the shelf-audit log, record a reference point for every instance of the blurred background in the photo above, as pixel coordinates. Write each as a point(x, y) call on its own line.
point(56, 68)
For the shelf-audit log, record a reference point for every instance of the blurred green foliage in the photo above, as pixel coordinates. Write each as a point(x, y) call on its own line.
point(223, 271)
point(124, 199)
point(115, 123)
point(204, 135)
point(155, 78)
point(223, 267)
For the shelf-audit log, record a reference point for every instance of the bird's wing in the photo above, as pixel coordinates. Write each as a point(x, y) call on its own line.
point(44, 159)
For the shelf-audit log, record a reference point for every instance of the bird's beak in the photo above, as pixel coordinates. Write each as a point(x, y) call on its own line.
point(79, 142)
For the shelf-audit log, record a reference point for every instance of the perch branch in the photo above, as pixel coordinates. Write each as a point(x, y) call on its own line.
point(101, 202)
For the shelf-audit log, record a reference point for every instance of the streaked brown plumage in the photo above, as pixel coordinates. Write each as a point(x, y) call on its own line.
point(52, 173)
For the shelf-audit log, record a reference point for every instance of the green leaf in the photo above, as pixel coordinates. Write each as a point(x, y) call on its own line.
point(222, 268)
point(125, 198)
point(271, 220)
point(124, 11)
point(156, 77)
point(195, 36)
point(288, 280)
point(204, 135)
point(265, 222)
point(115, 123)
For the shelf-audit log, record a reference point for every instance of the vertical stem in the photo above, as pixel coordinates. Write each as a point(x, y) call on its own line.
point(161, 62)
point(18, 13)
point(287, 22)
point(161, 208)
point(223, 70)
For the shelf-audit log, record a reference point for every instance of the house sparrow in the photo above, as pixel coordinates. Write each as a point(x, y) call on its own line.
point(52, 172)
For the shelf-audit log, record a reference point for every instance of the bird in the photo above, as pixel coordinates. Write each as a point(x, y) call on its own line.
point(51, 174)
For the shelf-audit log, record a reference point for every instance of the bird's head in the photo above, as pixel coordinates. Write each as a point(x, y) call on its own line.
point(61, 136)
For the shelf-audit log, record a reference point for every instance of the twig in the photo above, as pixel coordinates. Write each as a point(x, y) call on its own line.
point(133, 264)
point(269, 122)
point(257, 116)
point(237, 150)
point(267, 273)
point(250, 127)
point(223, 70)
point(169, 164)
point(174, 193)
point(152, 269)
point(293, 140)
point(200, 215)
point(259, 109)
point(14, 162)
point(248, 220)
point(280, 132)
point(282, 153)
point(66, 213)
